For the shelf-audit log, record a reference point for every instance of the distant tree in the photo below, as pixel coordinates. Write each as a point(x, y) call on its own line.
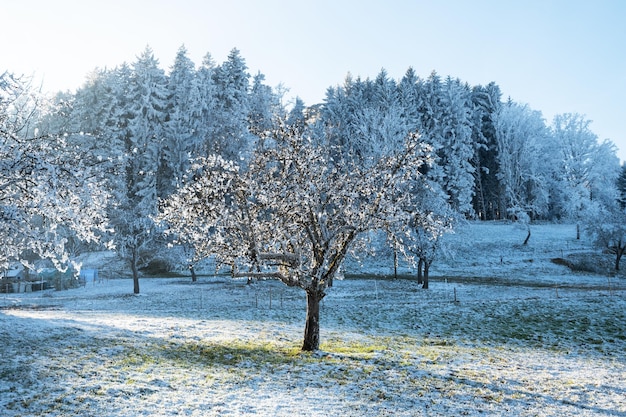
point(429, 217)
point(409, 98)
point(522, 143)
point(180, 140)
point(621, 186)
point(264, 106)
point(363, 120)
point(207, 106)
point(135, 232)
point(229, 135)
point(292, 214)
point(296, 117)
point(487, 198)
point(606, 224)
point(588, 169)
point(338, 114)
point(94, 103)
point(457, 149)
point(444, 122)
point(46, 186)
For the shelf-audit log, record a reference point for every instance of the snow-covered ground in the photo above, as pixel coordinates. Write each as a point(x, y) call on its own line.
point(502, 331)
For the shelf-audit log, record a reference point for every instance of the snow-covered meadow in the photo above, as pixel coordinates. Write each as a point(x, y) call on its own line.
point(502, 331)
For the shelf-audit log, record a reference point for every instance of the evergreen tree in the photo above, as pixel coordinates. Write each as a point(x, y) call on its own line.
point(409, 98)
point(180, 139)
point(488, 202)
point(457, 149)
point(296, 116)
point(207, 103)
point(229, 133)
point(264, 105)
point(364, 120)
point(621, 186)
point(146, 105)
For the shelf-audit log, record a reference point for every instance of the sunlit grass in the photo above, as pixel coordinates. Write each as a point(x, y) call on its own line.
point(406, 351)
point(229, 353)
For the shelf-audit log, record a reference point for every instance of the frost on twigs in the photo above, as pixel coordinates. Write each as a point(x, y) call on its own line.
point(49, 191)
point(293, 213)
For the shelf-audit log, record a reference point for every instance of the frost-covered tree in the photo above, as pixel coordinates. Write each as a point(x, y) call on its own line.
point(264, 106)
point(588, 169)
point(457, 149)
point(523, 141)
point(94, 103)
point(444, 121)
point(605, 222)
point(339, 112)
point(229, 135)
point(296, 117)
point(206, 90)
point(621, 186)
point(291, 214)
point(181, 140)
point(429, 217)
point(607, 227)
point(364, 119)
point(47, 187)
point(145, 115)
point(409, 98)
point(487, 197)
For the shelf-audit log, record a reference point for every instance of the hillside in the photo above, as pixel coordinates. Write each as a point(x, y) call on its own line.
point(493, 252)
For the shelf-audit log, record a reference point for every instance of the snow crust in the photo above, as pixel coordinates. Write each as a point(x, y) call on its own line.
point(502, 331)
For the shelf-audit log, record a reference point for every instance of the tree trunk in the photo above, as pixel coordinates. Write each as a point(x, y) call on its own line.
point(133, 267)
point(312, 326)
point(194, 277)
point(420, 277)
point(619, 251)
point(426, 271)
point(480, 195)
point(527, 237)
point(395, 264)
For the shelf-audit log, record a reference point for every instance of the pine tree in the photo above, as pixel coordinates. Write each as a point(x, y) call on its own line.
point(621, 186)
point(488, 202)
point(205, 111)
point(296, 116)
point(229, 135)
point(144, 111)
point(180, 138)
point(264, 106)
point(408, 96)
point(457, 149)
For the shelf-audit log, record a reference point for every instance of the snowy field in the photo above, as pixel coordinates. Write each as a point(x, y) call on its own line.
point(502, 331)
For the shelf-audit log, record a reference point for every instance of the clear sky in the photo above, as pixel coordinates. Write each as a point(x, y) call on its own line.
point(556, 56)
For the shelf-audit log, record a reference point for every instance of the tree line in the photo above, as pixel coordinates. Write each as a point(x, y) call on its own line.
point(494, 159)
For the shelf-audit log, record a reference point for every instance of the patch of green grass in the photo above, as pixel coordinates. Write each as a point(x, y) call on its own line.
point(361, 349)
point(137, 358)
point(228, 353)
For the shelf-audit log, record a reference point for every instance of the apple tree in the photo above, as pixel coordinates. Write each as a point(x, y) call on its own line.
point(290, 213)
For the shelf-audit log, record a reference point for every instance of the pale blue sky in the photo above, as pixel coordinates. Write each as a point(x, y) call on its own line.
point(556, 56)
